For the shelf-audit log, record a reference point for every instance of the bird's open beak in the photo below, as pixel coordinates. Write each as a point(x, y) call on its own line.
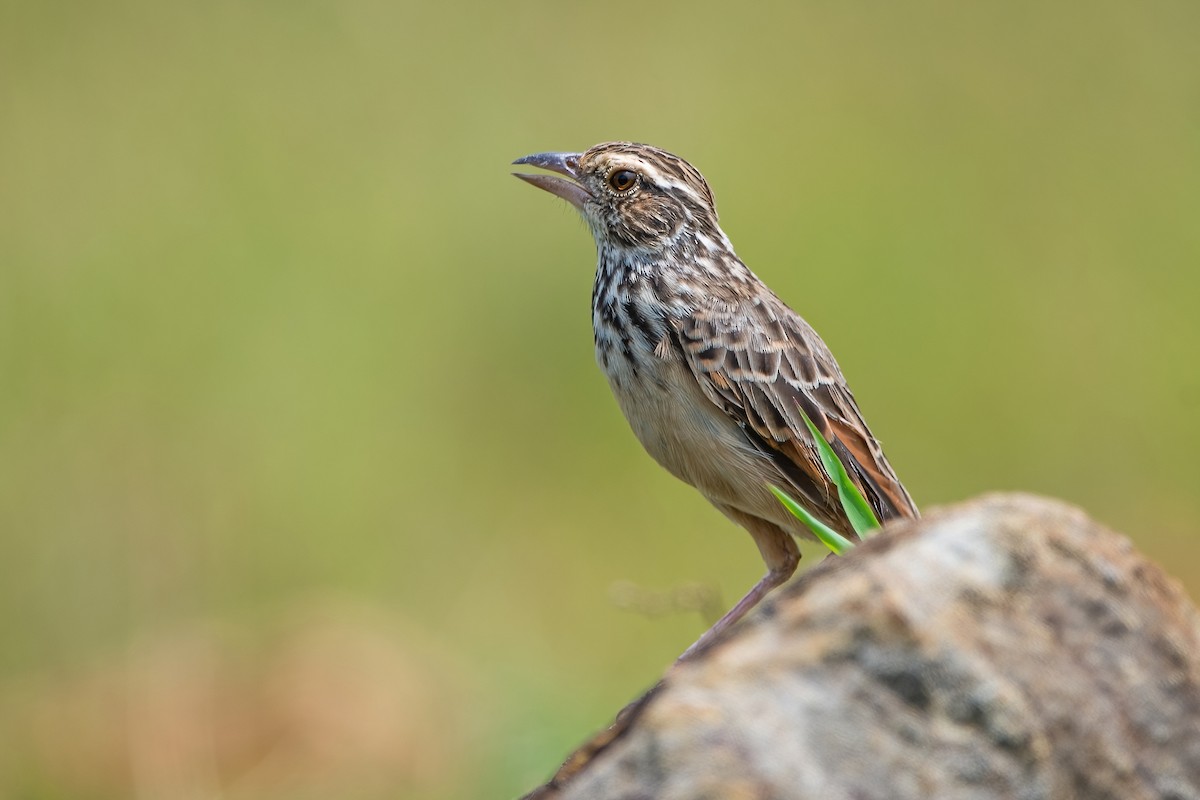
point(563, 164)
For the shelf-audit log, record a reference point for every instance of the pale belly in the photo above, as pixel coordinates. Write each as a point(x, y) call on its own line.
point(695, 440)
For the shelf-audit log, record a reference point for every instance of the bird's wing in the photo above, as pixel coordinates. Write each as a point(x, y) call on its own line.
point(759, 361)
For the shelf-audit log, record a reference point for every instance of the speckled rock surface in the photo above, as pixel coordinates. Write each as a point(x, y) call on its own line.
point(1008, 647)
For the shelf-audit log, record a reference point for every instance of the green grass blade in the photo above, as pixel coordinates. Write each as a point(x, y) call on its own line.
point(859, 512)
point(837, 543)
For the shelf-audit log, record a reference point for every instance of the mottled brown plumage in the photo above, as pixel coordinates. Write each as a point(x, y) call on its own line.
point(707, 364)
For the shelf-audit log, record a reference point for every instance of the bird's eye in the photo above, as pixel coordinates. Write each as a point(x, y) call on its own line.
point(622, 180)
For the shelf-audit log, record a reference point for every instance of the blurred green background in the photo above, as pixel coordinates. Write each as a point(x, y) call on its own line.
point(308, 483)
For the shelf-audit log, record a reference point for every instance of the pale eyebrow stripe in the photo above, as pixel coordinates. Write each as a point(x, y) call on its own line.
point(657, 177)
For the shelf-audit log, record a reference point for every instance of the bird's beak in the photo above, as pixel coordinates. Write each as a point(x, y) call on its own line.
point(562, 163)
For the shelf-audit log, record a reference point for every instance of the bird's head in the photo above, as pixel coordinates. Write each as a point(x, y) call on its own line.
point(633, 196)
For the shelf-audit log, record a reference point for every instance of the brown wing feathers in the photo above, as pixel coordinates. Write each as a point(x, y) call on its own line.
point(758, 361)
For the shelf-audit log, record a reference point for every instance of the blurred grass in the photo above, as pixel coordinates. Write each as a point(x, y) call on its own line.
point(276, 325)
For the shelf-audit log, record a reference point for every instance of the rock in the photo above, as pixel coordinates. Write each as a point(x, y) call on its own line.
point(1008, 647)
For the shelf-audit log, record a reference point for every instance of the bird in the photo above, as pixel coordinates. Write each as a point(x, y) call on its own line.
point(710, 368)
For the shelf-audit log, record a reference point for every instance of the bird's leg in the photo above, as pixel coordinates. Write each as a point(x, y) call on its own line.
point(761, 589)
point(778, 550)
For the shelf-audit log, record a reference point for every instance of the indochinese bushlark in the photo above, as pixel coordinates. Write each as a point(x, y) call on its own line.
point(707, 364)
